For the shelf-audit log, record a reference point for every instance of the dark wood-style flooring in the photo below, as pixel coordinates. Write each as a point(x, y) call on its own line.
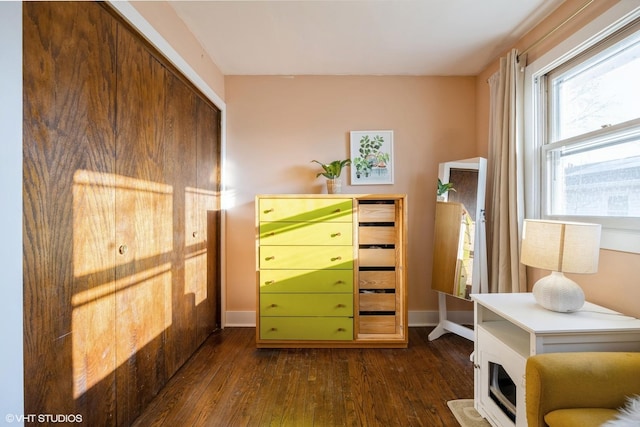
point(228, 382)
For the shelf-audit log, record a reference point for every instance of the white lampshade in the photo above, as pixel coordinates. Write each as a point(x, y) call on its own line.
point(572, 247)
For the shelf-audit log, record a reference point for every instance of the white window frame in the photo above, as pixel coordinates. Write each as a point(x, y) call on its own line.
point(614, 237)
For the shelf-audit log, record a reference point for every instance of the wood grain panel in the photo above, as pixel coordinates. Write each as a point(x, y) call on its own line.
point(144, 226)
point(377, 279)
point(68, 197)
point(208, 202)
point(180, 171)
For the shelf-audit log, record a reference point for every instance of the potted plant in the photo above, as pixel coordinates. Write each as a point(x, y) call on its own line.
point(332, 172)
point(444, 189)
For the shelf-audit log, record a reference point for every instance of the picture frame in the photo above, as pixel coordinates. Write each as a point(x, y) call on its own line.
point(371, 157)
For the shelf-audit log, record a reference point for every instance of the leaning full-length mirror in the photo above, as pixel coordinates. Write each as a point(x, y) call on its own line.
point(459, 258)
point(459, 262)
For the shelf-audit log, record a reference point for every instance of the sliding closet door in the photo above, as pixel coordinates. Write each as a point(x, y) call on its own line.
point(68, 205)
point(180, 171)
point(144, 228)
point(204, 249)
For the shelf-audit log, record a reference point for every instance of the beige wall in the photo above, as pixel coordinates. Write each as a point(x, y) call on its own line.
point(277, 125)
point(617, 283)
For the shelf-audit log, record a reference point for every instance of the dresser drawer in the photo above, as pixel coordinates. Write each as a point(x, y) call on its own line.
point(306, 328)
point(306, 257)
point(377, 324)
point(279, 305)
point(301, 281)
point(376, 212)
point(377, 235)
point(377, 302)
point(306, 233)
point(312, 209)
point(377, 257)
point(377, 279)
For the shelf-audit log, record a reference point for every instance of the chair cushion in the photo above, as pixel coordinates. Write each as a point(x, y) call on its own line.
point(579, 417)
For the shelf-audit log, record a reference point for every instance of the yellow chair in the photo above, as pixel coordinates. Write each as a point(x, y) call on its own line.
point(579, 389)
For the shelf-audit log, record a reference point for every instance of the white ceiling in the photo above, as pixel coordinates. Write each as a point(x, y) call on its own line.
point(359, 37)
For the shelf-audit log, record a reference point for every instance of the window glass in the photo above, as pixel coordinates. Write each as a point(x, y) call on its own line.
point(591, 152)
point(602, 91)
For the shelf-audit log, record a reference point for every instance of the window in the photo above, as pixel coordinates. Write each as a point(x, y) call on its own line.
point(585, 146)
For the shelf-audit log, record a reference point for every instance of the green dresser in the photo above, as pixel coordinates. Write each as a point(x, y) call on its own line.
point(305, 269)
point(331, 271)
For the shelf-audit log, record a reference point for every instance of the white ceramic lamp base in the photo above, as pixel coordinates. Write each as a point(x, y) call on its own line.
point(556, 292)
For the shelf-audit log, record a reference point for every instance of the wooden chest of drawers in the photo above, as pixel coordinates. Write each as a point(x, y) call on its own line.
point(311, 251)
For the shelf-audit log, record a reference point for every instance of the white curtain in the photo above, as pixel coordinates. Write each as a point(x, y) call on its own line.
point(506, 174)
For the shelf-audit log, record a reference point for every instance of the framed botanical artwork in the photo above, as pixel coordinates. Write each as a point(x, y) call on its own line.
point(371, 157)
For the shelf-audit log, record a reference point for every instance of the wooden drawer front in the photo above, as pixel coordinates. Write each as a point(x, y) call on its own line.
point(312, 209)
point(377, 235)
point(377, 324)
point(377, 302)
point(377, 279)
point(334, 305)
point(301, 281)
point(306, 233)
point(376, 213)
point(306, 328)
point(376, 257)
point(306, 257)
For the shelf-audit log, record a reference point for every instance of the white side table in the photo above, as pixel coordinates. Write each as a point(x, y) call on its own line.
point(509, 328)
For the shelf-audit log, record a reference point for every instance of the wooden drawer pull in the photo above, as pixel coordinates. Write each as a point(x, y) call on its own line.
point(337, 210)
point(337, 258)
point(268, 210)
point(342, 330)
point(273, 329)
point(340, 306)
point(340, 282)
point(273, 305)
point(269, 282)
point(336, 234)
point(270, 258)
point(273, 233)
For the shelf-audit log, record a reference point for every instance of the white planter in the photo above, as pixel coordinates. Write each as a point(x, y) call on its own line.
point(334, 186)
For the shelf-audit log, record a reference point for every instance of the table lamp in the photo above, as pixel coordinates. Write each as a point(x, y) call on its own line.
point(571, 247)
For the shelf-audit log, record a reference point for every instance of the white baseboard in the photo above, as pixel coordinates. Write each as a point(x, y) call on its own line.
point(247, 319)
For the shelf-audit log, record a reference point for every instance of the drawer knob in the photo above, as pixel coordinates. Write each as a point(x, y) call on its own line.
point(123, 249)
point(268, 210)
point(337, 210)
point(342, 330)
point(273, 329)
point(269, 282)
point(336, 235)
point(273, 305)
point(337, 258)
point(195, 234)
point(269, 258)
point(340, 306)
point(340, 282)
point(273, 233)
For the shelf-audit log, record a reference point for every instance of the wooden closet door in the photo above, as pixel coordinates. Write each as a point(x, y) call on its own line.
point(180, 171)
point(144, 228)
point(205, 249)
point(68, 208)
